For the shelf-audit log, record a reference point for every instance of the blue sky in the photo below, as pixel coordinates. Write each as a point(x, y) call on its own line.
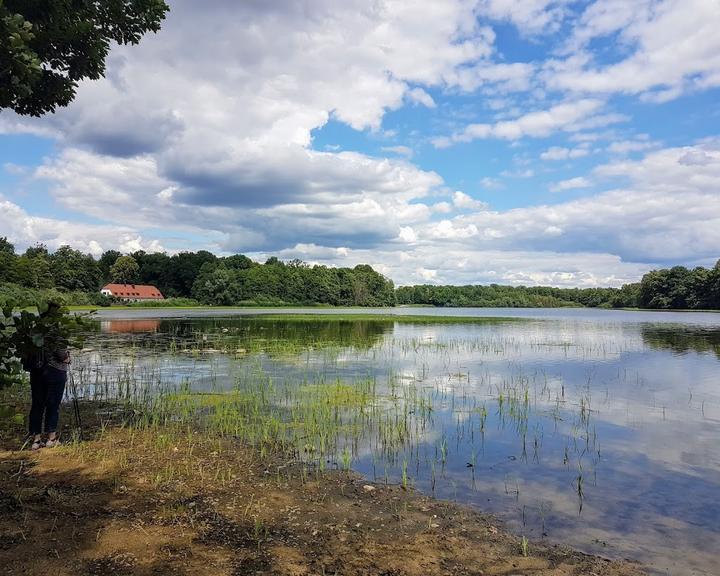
point(561, 142)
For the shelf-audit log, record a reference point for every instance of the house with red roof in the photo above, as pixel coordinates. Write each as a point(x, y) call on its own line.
point(132, 292)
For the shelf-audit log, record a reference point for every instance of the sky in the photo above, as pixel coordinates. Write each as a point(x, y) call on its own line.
point(551, 142)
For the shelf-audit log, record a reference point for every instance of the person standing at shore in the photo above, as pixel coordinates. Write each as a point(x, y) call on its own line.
point(48, 367)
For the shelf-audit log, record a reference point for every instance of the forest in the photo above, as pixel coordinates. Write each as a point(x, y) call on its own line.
point(676, 288)
point(498, 296)
point(189, 278)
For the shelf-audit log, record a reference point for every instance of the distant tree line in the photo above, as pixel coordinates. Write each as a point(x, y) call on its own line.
point(666, 289)
point(38, 268)
point(679, 287)
point(72, 277)
point(497, 296)
point(237, 279)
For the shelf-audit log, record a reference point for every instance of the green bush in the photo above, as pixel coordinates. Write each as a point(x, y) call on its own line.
point(22, 297)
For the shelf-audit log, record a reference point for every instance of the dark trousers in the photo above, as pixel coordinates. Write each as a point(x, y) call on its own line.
point(47, 386)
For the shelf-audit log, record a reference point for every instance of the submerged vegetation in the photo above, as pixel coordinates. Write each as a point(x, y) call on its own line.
point(331, 392)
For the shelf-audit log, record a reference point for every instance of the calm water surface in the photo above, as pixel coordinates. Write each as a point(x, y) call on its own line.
point(597, 429)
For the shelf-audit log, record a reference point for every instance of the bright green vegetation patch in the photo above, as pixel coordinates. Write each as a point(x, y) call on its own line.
point(194, 400)
point(167, 303)
point(318, 419)
point(338, 394)
point(332, 393)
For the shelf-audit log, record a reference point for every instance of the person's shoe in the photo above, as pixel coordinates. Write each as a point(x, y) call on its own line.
point(52, 443)
point(36, 445)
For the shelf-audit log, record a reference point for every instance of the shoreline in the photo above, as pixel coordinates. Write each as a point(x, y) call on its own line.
point(132, 501)
point(115, 307)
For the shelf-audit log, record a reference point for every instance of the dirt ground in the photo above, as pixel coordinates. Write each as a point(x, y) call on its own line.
point(123, 502)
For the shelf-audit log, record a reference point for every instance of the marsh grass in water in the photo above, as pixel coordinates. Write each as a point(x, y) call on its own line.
point(533, 420)
point(322, 396)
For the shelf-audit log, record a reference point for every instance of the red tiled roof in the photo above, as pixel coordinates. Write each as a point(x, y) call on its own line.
point(136, 291)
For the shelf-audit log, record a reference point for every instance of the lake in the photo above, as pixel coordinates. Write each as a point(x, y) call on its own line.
point(593, 428)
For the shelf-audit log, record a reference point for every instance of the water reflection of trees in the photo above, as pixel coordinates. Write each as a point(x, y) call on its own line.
point(243, 333)
point(682, 339)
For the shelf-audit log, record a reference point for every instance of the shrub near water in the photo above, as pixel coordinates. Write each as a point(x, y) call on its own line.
point(24, 297)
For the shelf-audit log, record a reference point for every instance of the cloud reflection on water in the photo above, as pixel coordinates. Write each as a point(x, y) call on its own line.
point(631, 406)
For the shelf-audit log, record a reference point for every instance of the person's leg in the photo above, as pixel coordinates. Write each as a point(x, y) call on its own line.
point(56, 388)
point(38, 392)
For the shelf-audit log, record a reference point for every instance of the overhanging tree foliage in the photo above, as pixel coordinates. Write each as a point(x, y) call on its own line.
point(25, 336)
point(48, 46)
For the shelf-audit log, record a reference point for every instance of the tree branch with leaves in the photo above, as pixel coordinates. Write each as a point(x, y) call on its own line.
point(26, 336)
point(47, 47)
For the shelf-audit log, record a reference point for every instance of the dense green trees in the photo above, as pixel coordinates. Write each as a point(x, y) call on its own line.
point(7, 260)
point(495, 295)
point(125, 270)
point(34, 271)
point(69, 276)
point(31, 270)
point(173, 275)
point(73, 270)
point(276, 282)
point(107, 259)
point(673, 288)
point(47, 47)
point(218, 286)
point(679, 287)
